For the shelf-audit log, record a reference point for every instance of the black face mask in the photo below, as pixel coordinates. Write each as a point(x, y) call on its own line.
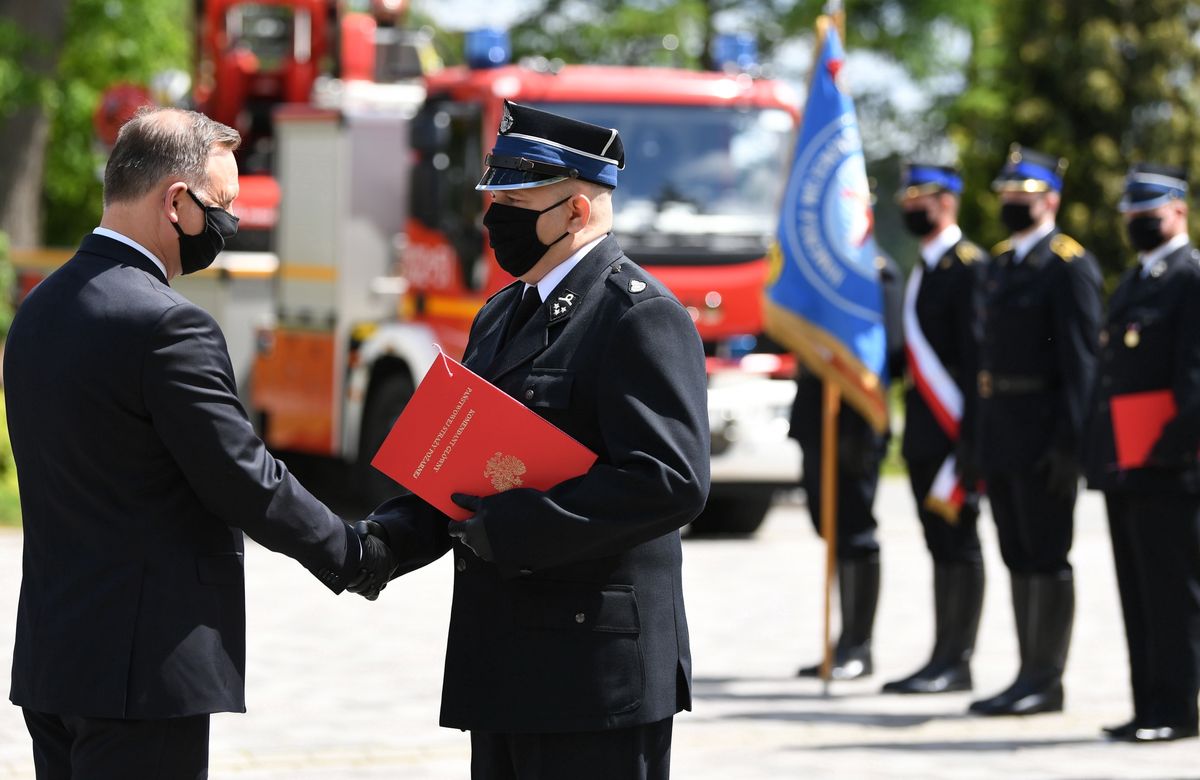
point(1016, 216)
point(512, 232)
point(1145, 232)
point(918, 222)
point(198, 252)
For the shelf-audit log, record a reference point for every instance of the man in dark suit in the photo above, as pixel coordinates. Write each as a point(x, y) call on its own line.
point(138, 472)
point(568, 647)
point(1150, 343)
point(860, 456)
point(1040, 314)
point(939, 331)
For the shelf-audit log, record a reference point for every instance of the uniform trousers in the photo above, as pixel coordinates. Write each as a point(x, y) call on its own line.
point(1156, 547)
point(856, 524)
point(633, 753)
point(1035, 527)
point(68, 747)
point(948, 542)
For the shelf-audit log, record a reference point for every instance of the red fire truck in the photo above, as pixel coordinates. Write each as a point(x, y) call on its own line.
point(696, 205)
point(363, 245)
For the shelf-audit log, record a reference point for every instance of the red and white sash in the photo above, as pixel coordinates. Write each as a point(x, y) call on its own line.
point(941, 394)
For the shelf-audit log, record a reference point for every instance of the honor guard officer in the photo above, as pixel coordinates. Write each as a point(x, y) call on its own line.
point(1040, 315)
point(939, 331)
point(860, 454)
point(1150, 356)
point(568, 647)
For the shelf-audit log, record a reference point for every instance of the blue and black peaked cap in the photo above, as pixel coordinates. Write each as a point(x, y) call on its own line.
point(925, 179)
point(535, 148)
point(1028, 170)
point(1150, 185)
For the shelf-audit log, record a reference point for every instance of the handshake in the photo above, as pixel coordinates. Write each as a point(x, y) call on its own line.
point(377, 564)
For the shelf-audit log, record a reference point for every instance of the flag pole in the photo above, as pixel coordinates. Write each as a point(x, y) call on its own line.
point(831, 399)
point(834, 10)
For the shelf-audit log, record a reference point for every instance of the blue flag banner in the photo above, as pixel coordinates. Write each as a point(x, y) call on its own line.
point(824, 299)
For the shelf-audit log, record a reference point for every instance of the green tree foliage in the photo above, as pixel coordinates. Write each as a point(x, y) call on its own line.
point(18, 86)
point(107, 43)
point(10, 503)
point(1103, 84)
point(10, 500)
point(632, 32)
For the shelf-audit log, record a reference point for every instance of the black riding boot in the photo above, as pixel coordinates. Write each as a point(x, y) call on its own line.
point(858, 593)
point(1049, 616)
point(958, 602)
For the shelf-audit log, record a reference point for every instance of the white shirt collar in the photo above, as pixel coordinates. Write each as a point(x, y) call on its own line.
point(560, 271)
point(940, 244)
point(127, 241)
point(1148, 259)
point(1023, 245)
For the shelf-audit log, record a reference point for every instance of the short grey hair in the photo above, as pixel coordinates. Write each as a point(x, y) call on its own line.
point(161, 142)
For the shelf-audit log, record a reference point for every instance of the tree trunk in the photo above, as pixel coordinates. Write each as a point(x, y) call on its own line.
point(23, 135)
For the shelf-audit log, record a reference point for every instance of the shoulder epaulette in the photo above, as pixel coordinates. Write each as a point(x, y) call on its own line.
point(1065, 247)
point(1002, 247)
point(967, 252)
point(630, 279)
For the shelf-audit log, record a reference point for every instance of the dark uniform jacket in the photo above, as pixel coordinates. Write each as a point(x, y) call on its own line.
point(137, 466)
point(946, 308)
point(1038, 353)
point(1151, 341)
point(578, 624)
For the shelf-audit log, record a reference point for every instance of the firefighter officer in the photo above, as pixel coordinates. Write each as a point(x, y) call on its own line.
point(860, 455)
point(939, 406)
point(1039, 317)
point(568, 649)
point(1150, 357)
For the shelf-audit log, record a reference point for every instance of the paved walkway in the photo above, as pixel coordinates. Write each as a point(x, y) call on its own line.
point(343, 689)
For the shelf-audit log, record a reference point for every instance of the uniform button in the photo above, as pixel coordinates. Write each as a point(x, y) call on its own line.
point(580, 617)
point(461, 565)
point(529, 394)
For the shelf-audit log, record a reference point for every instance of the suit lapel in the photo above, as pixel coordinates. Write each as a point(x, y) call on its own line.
point(534, 337)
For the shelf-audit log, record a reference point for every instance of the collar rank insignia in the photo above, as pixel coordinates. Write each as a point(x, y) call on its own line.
point(1158, 269)
point(636, 285)
point(561, 305)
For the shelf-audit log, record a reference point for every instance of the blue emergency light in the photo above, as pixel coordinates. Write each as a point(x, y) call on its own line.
point(738, 51)
point(487, 48)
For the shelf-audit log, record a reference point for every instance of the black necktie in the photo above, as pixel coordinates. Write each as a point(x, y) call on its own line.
point(530, 302)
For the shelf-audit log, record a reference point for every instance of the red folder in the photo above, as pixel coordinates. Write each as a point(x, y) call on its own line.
point(461, 434)
point(1138, 420)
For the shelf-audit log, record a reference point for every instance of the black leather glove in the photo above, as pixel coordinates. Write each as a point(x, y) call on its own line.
point(377, 564)
point(471, 531)
point(1060, 470)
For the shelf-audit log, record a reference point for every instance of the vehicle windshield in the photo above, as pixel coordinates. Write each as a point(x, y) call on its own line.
point(263, 30)
point(695, 170)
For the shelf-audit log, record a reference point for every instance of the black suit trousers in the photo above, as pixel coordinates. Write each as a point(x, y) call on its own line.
point(633, 753)
point(1035, 527)
point(948, 542)
point(1156, 548)
point(67, 747)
